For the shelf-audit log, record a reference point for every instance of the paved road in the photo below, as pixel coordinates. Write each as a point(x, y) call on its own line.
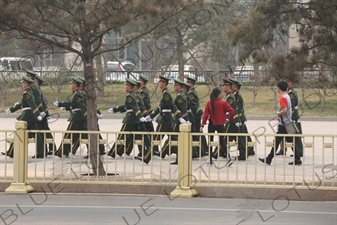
point(128, 209)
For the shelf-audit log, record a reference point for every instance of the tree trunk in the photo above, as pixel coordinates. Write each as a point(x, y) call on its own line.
point(180, 56)
point(216, 76)
point(96, 162)
point(100, 76)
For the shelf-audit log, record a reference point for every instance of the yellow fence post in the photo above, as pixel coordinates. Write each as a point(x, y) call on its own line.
point(184, 188)
point(20, 166)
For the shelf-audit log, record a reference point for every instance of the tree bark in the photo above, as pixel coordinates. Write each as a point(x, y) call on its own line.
point(90, 88)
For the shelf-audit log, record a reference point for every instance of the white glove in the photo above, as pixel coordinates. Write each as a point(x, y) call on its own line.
point(111, 110)
point(16, 103)
point(39, 118)
point(42, 114)
point(56, 104)
point(8, 111)
point(244, 123)
point(188, 122)
point(142, 119)
point(237, 124)
point(148, 118)
point(181, 120)
point(63, 108)
point(100, 116)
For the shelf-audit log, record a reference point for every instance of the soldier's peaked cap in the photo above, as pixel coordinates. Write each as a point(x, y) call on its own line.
point(233, 81)
point(176, 81)
point(81, 78)
point(187, 85)
point(191, 79)
point(162, 78)
point(31, 73)
point(40, 79)
point(225, 82)
point(26, 79)
point(76, 80)
point(142, 77)
point(129, 81)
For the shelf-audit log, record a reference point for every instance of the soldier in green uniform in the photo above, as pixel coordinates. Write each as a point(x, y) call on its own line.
point(30, 114)
point(180, 103)
point(197, 113)
point(37, 94)
point(232, 126)
point(99, 116)
point(165, 109)
point(77, 120)
point(189, 95)
point(44, 123)
point(144, 91)
point(241, 113)
point(146, 148)
point(130, 122)
point(295, 116)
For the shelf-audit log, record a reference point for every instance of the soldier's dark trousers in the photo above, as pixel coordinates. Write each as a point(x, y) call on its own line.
point(40, 151)
point(143, 149)
point(174, 149)
point(230, 127)
point(75, 138)
point(51, 146)
point(126, 148)
point(204, 146)
point(244, 130)
point(165, 128)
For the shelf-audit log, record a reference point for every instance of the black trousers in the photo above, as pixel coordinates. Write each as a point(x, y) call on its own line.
point(40, 151)
point(45, 126)
point(219, 129)
point(120, 149)
point(282, 130)
point(67, 148)
point(161, 128)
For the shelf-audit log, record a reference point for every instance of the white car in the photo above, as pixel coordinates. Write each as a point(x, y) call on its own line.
point(120, 70)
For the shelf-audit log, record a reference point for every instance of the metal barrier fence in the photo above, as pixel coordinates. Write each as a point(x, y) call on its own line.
point(318, 170)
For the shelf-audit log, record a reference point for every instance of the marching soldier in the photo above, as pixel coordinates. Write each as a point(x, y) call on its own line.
point(130, 122)
point(189, 97)
point(99, 116)
point(165, 109)
point(146, 148)
point(180, 103)
point(77, 120)
point(144, 91)
point(233, 125)
point(30, 114)
point(44, 123)
point(241, 113)
point(37, 94)
point(197, 113)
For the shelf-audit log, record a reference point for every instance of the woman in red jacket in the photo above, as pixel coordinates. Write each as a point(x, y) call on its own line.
point(215, 112)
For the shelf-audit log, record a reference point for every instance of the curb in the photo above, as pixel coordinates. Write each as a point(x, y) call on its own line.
point(270, 193)
point(121, 116)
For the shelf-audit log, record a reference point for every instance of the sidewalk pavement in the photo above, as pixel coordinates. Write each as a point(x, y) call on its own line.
point(240, 173)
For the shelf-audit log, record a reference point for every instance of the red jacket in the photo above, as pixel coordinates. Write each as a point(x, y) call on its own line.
point(219, 116)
